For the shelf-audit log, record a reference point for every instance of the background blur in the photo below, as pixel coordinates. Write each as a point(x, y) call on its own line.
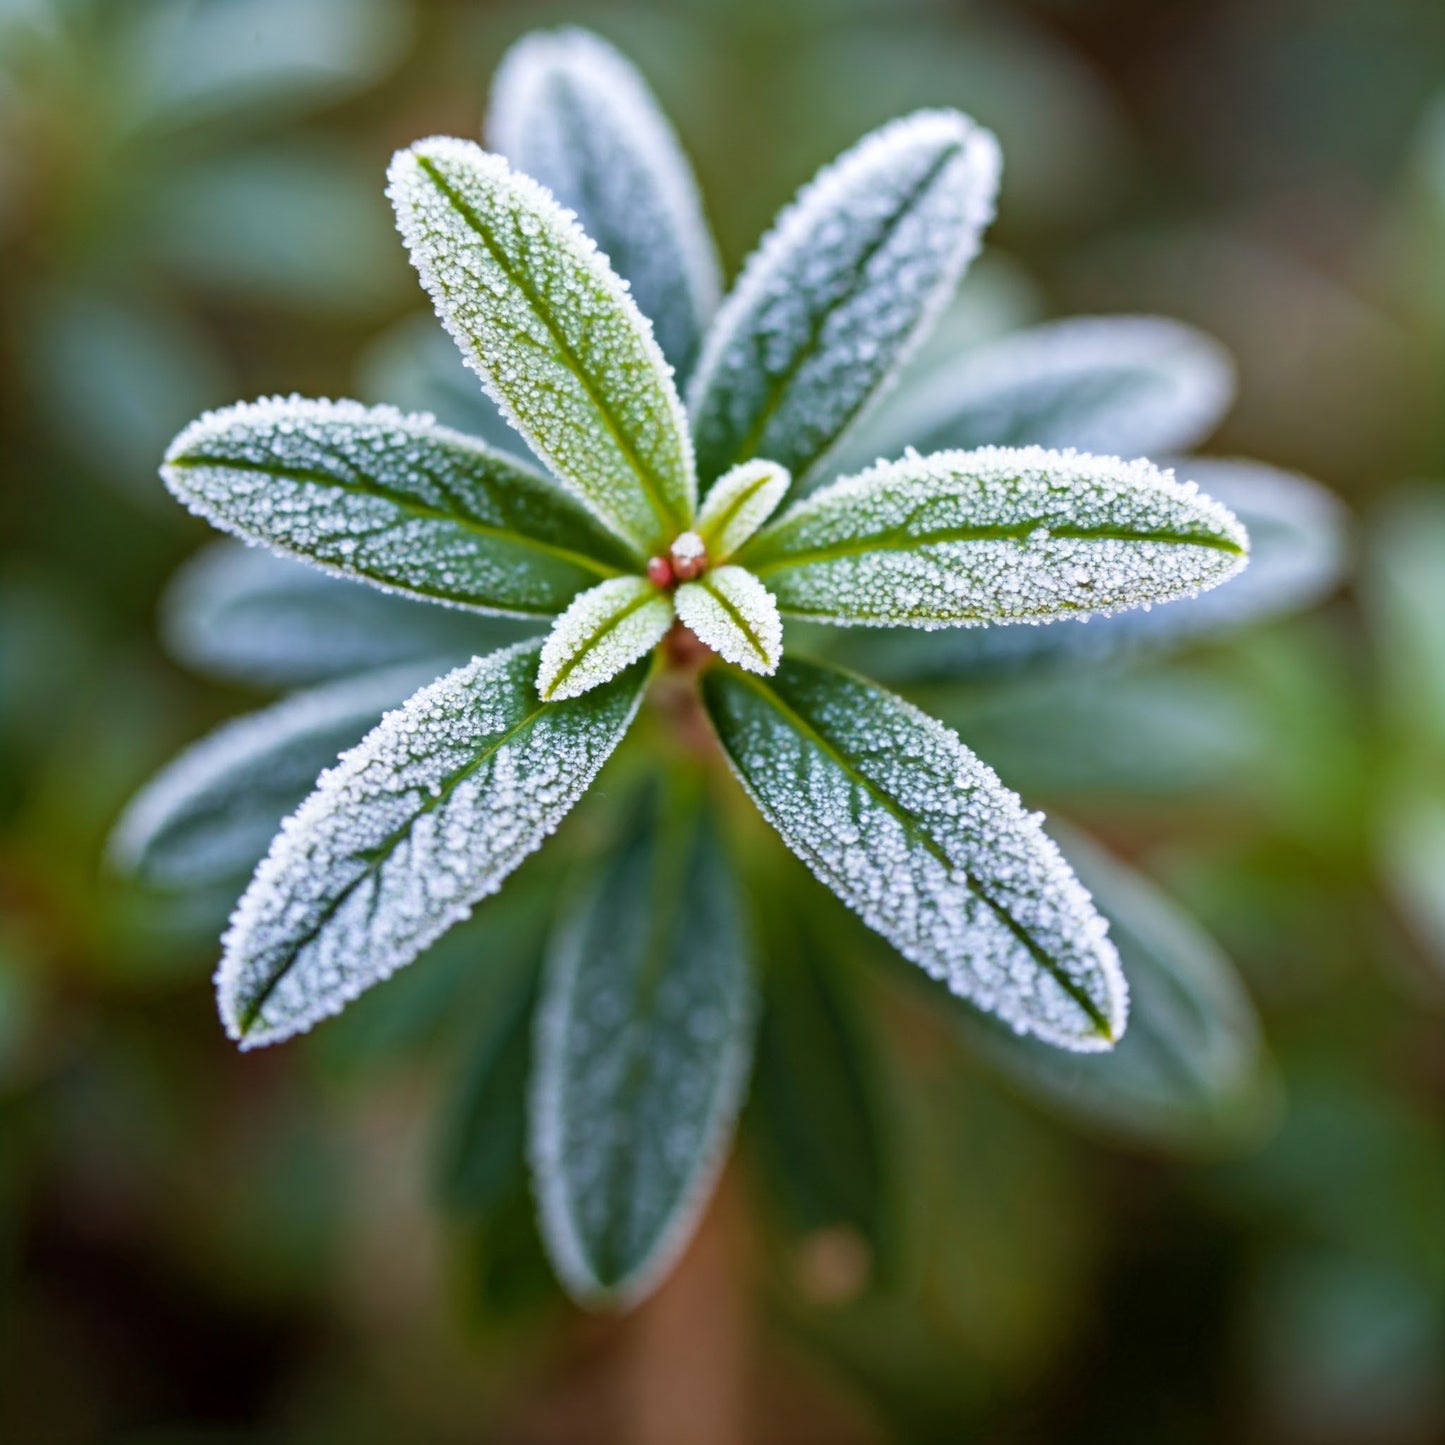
point(197, 1246)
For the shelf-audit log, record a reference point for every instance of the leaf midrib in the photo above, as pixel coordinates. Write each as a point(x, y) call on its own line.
point(717, 526)
point(738, 620)
point(912, 823)
point(652, 486)
point(315, 476)
point(607, 624)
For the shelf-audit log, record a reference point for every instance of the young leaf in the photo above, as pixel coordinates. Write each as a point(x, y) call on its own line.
point(996, 535)
point(1190, 1071)
point(642, 1050)
point(735, 615)
point(208, 816)
point(427, 815)
point(394, 500)
point(574, 114)
point(604, 630)
point(738, 504)
point(917, 836)
point(1127, 386)
point(851, 276)
point(558, 343)
point(1298, 548)
point(247, 615)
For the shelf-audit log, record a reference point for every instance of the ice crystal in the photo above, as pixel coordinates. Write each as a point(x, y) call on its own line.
point(739, 502)
point(545, 322)
point(836, 296)
point(995, 535)
point(572, 113)
point(605, 629)
point(643, 1044)
point(425, 817)
point(210, 813)
point(919, 837)
point(1115, 385)
point(394, 500)
point(731, 611)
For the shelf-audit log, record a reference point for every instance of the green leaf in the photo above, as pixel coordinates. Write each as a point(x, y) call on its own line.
point(427, 815)
point(209, 815)
point(642, 1054)
point(739, 502)
point(735, 615)
point(1126, 386)
point(560, 346)
point(575, 115)
point(393, 500)
point(605, 629)
point(996, 535)
point(1191, 1070)
point(1298, 551)
point(849, 279)
point(919, 838)
point(247, 615)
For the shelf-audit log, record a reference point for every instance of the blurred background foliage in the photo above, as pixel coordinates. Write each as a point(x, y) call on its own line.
point(318, 1244)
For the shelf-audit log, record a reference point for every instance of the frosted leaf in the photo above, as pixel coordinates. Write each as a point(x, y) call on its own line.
point(995, 535)
point(735, 615)
point(1125, 386)
point(1298, 548)
point(739, 502)
point(545, 322)
point(394, 500)
point(919, 838)
point(642, 1050)
point(849, 279)
point(245, 614)
point(209, 815)
point(575, 115)
point(415, 825)
point(1191, 1070)
point(606, 629)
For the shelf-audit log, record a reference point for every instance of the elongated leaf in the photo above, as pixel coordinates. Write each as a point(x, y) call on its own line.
point(1127, 386)
point(427, 815)
point(574, 114)
point(916, 835)
point(247, 615)
point(603, 631)
point(996, 535)
point(1190, 1071)
point(642, 1052)
point(209, 815)
point(731, 611)
point(394, 500)
point(738, 504)
point(558, 343)
point(1298, 550)
point(851, 276)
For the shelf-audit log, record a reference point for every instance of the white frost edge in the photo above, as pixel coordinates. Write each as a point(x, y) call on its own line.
point(753, 513)
point(982, 162)
point(699, 610)
point(304, 410)
point(591, 64)
point(405, 174)
point(577, 629)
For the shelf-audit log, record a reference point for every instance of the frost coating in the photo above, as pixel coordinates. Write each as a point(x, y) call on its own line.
point(245, 614)
point(545, 322)
point(209, 813)
point(425, 817)
point(739, 502)
point(572, 113)
point(831, 303)
point(995, 535)
point(394, 500)
point(919, 838)
point(605, 629)
point(731, 611)
point(1116, 385)
point(642, 1049)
